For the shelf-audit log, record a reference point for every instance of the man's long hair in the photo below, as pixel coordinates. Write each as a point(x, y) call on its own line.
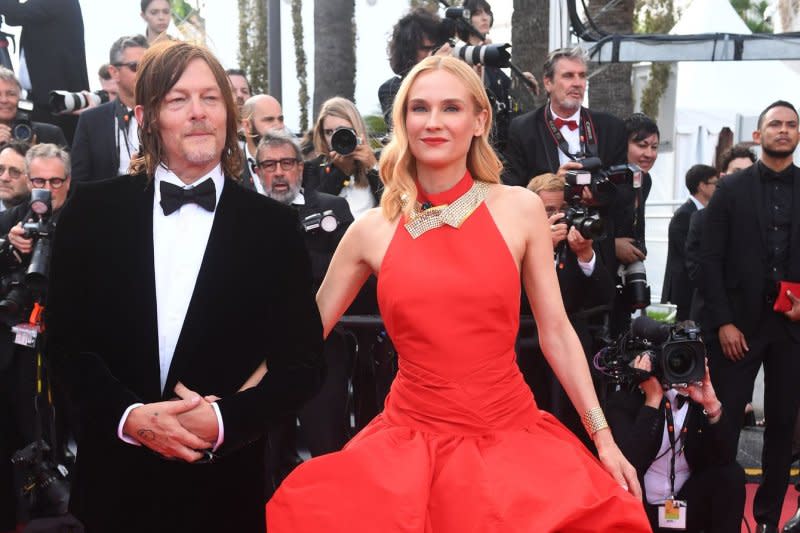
point(159, 70)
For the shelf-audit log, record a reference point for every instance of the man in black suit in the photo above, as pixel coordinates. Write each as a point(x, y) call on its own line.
point(555, 137)
point(586, 290)
point(260, 113)
point(52, 53)
point(106, 137)
point(697, 452)
point(324, 420)
point(173, 281)
point(750, 244)
point(11, 117)
point(701, 180)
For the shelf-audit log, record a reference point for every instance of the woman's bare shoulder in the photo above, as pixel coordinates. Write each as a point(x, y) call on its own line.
point(512, 198)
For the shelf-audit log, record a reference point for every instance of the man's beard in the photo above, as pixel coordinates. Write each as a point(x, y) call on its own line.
point(778, 154)
point(284, 197)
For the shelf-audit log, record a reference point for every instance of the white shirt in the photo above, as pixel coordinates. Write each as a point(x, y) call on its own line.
point(656, 479)
point(359, 199)
point(179, 243)
point(573, 137)
point(696, 202)
point(126, 150)
point(250, 161)
point(24, 74)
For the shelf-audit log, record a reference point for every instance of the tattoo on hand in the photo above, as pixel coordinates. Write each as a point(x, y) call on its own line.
point(146, 434)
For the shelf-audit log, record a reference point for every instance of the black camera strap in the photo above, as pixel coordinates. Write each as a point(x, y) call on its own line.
point(587, 134)
point(676, 444)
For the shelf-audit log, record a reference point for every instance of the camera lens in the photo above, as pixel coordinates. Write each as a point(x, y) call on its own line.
point(22, 132)
point(344, 141)
point(591, 227)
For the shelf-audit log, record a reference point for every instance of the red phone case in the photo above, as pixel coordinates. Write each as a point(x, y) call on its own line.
point(783, 303)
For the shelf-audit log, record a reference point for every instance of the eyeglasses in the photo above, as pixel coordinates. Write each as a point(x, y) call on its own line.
point(13, 172)
point(55, 183)
point(269, 165)
point(133, 65)
point(712, 182)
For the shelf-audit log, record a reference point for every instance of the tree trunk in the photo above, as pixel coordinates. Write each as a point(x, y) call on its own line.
point(334, 50)
point(530, 35)
point(611, 90)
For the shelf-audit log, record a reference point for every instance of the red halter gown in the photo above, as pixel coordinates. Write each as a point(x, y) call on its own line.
point(460, 446)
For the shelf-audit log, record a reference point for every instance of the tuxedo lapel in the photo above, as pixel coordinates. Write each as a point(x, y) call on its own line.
point(208, 295)
point(548, 143)
point(756, 202)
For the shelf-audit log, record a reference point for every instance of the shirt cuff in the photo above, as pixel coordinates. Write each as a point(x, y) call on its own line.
point(122, 436)
point(588, 267)
point(221, 430)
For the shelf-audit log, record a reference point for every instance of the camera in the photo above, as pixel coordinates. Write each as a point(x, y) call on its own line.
point(20, 283)
point(64, 102)
point(492, 55)
point(586, 220)
point(344, 140)
point(602, 182)
point(325, 220)
point(22, 128)
point(45, 483)
point(635, 290)
point(676, 352)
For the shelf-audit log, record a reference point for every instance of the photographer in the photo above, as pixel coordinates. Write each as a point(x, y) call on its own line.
point(14, 184)
point(585, 286)
point(677, 441)
point(325, 218)
point(15, 123)
point(345, 165)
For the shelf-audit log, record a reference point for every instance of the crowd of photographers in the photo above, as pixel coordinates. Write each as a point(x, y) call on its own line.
point(592, 173)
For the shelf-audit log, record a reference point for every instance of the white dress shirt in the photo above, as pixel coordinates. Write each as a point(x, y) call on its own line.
point(696, 202)
point(250, 161)
point(656, 479)
point(129, 146)
point(179, 243)
point(573, 137)
point(359, 199)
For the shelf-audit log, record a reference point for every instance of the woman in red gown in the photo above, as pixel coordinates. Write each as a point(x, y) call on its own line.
point(460, 446)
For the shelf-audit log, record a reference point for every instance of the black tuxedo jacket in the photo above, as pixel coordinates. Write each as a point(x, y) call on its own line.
point(531, 149)
point(639, 431)
point(103, 344)
point(320, 244)
point(95, 154)
point(733, 255)
point(677, 288)
point(52, 37)
point(693, 270)
point(319, 176)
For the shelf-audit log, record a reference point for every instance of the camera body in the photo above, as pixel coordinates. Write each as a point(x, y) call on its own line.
point(602, 182)
point(45, 483)
point(65, 102)
point(344, 140)
point(676, 352)
point(586, 220)
point(325, 221)
point(22, 127)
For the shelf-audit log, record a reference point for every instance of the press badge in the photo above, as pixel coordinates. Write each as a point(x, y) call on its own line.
point(25, 334)
point(672, 515)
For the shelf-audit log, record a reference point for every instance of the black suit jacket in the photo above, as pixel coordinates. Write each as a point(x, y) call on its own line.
point(103, 344)
point(95, 154)
point(320, 244)
point(639, 431)
point(677, 288)
point(49, 133)
point(733, 253)
point(52, 37)
point(531, 149)
point(693, 270)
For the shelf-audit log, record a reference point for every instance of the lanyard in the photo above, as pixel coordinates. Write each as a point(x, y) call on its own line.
point(588, 137)
point(679, 442)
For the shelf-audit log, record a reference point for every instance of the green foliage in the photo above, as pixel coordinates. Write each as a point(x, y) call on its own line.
point(655, 88)
point(662, 315)
point(300, 62)
point(654, 16)
point(376, 128)
point(752, 13)
point(431, 5)
point(253, 43)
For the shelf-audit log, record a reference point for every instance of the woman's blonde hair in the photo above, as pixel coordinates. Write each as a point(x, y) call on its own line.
point(346, 110)
point(398, 166)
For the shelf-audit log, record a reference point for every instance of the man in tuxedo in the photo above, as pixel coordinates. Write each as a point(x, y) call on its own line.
point(586, 290)
point(106, 137)
point(697, 452)
point(701, 180)
point(52, 54)
point(260, 113)
point(172, 291)
point(750, 244)
point(324, 420)
point(555, 137)
point(11, 116)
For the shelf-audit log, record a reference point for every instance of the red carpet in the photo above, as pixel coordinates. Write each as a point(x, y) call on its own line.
point(789, 506)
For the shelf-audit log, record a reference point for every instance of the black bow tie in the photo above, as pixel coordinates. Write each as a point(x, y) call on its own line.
point(173, 197)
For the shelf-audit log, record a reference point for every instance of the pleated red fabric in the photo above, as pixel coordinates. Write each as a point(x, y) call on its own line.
point(460, 446)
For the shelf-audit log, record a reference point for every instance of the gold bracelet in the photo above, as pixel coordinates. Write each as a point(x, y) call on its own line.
point(594, 420)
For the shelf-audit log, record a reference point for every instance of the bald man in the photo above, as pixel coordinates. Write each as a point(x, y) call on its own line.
point(260, 113)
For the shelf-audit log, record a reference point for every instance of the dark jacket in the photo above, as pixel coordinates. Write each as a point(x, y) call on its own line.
point(733, 254)
point(95, 154)
point(323, 177)
point(693, 270)
point(103, 346)
point(677, 289)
